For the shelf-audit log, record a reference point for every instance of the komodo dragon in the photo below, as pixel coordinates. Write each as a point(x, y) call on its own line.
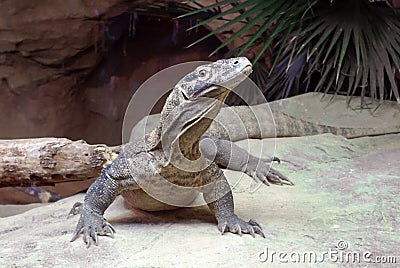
point(177, 155)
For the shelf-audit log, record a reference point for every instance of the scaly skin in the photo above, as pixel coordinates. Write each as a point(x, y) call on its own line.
point(159, 161)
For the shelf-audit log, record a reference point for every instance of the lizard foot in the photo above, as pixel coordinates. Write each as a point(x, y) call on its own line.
point(92, 224)
point(236, 225)
point(268, 175)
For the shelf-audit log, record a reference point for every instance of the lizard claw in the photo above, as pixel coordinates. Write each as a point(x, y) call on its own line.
point(260, 178)
point(75, 210)
point(251, 231)
point(257, 227)
point(238, 226)
point(223, 227)
point(237, 229)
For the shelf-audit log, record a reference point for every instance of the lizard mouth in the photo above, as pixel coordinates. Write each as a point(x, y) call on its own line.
point(247, 70)
point(214, 92)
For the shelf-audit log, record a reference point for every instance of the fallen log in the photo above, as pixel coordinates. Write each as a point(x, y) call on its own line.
point(46, 161)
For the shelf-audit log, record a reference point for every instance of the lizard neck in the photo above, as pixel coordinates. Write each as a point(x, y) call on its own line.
point(181, 126)
point(154, 138)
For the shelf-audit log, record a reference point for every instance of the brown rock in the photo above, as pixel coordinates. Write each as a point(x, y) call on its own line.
point(43, 41)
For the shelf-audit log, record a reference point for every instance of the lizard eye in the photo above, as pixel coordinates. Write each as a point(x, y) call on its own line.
point(202, 73)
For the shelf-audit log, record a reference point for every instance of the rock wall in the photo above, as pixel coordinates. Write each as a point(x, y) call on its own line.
point(67, 68)
point(46, 49)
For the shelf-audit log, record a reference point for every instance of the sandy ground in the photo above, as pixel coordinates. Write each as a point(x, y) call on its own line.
point(344, 205)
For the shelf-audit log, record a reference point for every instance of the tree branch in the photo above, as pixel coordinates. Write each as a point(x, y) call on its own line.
point(46, 161)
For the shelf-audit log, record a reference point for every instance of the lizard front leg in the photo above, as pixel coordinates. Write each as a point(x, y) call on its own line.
point(231, 156)
point(98, 198)
point(220, 201)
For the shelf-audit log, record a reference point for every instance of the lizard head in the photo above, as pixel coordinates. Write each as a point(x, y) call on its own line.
point(214, 80)
point(197, 98)
point(211, 81)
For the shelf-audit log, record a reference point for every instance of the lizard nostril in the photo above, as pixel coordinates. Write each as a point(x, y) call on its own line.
point(236, 62)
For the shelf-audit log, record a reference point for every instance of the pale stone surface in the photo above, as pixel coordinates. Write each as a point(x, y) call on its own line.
point(344, 190)
point(331, 110)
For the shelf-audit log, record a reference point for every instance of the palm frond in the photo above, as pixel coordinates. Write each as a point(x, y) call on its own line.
point(358, 34)
point(353, 44)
